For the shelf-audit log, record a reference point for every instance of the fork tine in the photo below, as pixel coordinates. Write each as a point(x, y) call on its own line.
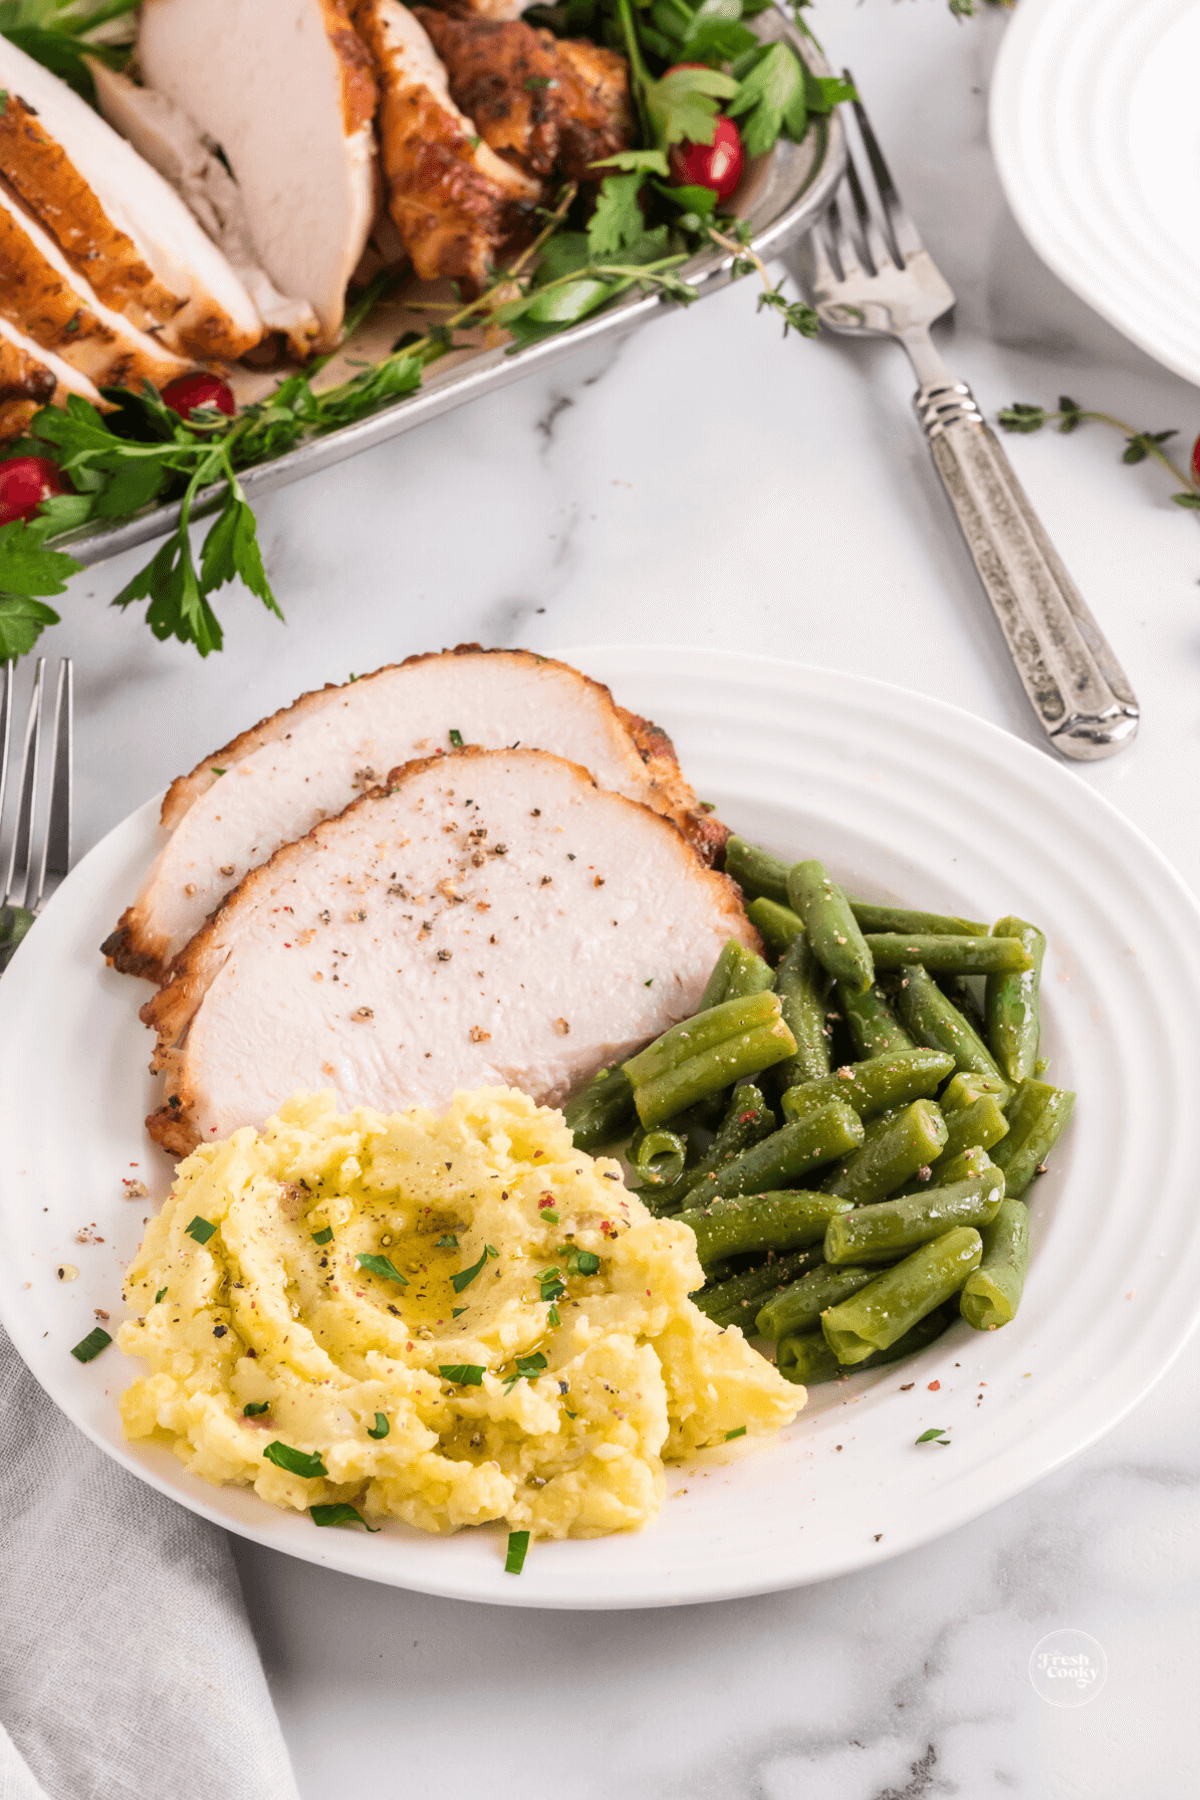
point(877, 247)
point(843, 243)
point(821, 271)
point(18, 861)
point(908, 238)
point(56, 846)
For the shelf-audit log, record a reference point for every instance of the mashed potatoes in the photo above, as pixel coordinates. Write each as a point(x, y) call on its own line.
point(536, 1362)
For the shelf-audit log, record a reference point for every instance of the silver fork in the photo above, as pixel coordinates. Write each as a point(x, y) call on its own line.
point(868, 275)
point(40, 846)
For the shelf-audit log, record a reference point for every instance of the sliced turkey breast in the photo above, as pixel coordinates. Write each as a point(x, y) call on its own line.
point(44, 298)
point(285, 88)
point(31, 377)
point(172, 143)
point(307, 762)
point(491, 916)
point(452, 200)
point(117, 222)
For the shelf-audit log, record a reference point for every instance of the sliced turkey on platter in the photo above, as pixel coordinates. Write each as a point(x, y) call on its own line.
point(116, 221)
point(490, 916)
point(452, 200)
point(172, 143)
point(285, 88)
point(30, 377)
point(309, 761)
point(46, 300)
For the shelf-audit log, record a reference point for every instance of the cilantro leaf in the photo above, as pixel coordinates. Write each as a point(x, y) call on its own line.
point(339, 1513)
point(462, 1374)
point(296, 1462)
point(618, 219)
point(26, 566)
point(133, 486)
point(22, 622)
point(683, 104)
point(770, 93)
point(381, 1265)
point(651, 162)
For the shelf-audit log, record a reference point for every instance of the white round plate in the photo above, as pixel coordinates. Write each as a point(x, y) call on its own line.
point(1096, 135)
point(905, 799)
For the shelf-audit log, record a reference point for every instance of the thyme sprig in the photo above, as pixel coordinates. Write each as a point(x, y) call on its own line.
point(1139, 445)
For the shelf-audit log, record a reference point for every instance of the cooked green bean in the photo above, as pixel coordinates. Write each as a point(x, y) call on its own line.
point(873, 1026)
point(974, 1160)
point(706, 1053)
point(948, 955)
point(777, 1221)
point(1037, 1115)
point(898, 918)
point(880, 1313)
point(748, 1120)
point(756, 871)
point(799, 1307)
point(659, 1157)
point(968, 1086)
point(832, 929)
point(981, 1125)
point(777, 925)
point(890, 1229)
point(1011, 1004)
point(807, 1359)
point(958, 990)
point(603, 1112)
point(875, 1085)
point(937, 1022)
point(788, 1155)
point(991, 1296)
point(908, 1143)
point(737, 972)
point(736, 1300)
point(801, 984)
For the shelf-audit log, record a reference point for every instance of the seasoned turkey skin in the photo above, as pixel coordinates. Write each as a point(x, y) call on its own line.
point(452, 200)
point(30, 377)
point(549, 106)
point(310, 760)
point(489, 917)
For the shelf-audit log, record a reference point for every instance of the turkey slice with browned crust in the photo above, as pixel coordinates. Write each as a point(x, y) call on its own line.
point(491, 916)
point(309, 761)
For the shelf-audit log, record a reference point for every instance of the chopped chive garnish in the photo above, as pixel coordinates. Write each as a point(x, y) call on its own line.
point(381, 1428)
point(552, 1317)
point(217, 771)
point(550, 1218)
point(201, 1229)
point(518, 1545)
point(161, 1295)
point(456, 738)
point(465, 1277)
point(569, 1413)
point(254, 1408)
point(935, 1435)
point(462, 1374)
point(584, 1262)
point(323, 1237)
point(296, 1462)
point(550, 1284)
point(338, 1514)
point(740, 1431)
point(528, 1369)
point(382, 1265)
point(456, 1312)
point(449, 1242)
point(91, 1345)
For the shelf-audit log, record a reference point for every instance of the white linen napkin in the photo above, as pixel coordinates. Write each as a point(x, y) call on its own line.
point(128, 1670)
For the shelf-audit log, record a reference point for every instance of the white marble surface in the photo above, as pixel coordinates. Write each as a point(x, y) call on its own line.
point(705, 482)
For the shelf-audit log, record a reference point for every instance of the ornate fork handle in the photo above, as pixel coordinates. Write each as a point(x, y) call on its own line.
point(1075, 683)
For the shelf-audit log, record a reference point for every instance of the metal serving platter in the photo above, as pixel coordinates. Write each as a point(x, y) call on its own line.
point(783, 194)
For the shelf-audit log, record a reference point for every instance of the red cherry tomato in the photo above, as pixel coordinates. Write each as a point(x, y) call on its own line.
point(717, 165)
point(191, 391)
point(1196, 460)
point(25, 482)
